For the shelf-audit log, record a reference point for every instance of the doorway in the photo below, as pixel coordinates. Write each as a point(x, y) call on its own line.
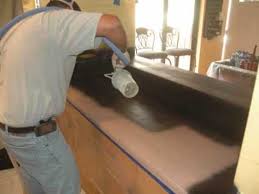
point(150, 14)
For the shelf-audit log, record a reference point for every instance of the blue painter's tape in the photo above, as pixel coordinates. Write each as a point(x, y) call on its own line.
point(163, 185)
point(116, 2)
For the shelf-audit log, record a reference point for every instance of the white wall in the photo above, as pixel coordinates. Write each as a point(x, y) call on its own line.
point(243, 33)
point(244, 27)
point(247, 179)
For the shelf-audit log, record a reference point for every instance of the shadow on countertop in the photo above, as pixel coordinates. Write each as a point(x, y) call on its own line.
point(148, 109)
point(217, 184)
point(140, 110)
point(156, 108)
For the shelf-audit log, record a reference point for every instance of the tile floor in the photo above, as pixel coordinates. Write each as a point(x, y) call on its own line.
point(10, 183)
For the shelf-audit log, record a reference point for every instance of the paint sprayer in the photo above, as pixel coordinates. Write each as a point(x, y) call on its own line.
point(121, 79)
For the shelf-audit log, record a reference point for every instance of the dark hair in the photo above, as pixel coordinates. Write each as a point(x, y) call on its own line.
point(56, 3)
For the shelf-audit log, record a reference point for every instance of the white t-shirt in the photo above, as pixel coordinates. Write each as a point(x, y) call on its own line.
point(37, 59)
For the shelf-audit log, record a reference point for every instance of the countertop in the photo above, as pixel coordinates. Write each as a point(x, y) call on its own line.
point(181, 155)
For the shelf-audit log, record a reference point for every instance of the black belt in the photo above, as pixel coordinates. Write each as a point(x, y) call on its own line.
point(43, 128)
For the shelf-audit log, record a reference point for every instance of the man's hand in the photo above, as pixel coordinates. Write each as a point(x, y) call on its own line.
point(117, 63)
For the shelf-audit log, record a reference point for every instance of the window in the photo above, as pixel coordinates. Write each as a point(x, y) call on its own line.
point(248, 1)
point(37, 3)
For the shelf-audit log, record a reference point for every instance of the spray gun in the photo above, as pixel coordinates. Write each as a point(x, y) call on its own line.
point(121, 79)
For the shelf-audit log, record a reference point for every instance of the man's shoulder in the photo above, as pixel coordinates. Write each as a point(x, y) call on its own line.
point(63, 13)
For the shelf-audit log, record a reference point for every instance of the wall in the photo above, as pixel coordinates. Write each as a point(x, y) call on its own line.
point(126, 13)
point(247, 179)
point(209, 50)
point(28, 5)
point(9, 9)
point(242, 34)
point(244, 27)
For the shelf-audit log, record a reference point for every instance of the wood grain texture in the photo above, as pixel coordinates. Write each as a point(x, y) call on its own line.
point(104, 168)
point(230, 93)
point(212, 104)
point(172, 127)
point(223, 107)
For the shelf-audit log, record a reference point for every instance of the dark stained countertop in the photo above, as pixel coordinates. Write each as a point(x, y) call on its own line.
point(238, 95)
point(185, 134)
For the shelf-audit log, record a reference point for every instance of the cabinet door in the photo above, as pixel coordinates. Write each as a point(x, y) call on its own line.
point(104, 168)
point(119, 164)
point(82, 136)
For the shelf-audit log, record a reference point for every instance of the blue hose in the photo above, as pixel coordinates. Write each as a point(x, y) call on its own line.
point(17, 19)
point(116, 50)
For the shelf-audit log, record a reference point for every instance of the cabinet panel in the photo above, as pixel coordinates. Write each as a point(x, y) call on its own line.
point(81, 136)
point(67, 124)
point(145, 184)
point(104, 168)
point(119, 164)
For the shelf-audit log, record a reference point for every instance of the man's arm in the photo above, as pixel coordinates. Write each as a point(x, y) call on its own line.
point(110, 26)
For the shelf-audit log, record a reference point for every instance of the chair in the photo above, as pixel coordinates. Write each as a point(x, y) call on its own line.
point(172, 42)
point(145, 40)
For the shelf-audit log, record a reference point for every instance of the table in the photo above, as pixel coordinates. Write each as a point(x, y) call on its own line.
point(221, 70)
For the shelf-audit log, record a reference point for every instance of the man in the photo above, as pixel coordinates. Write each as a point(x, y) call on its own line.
point(37, 59)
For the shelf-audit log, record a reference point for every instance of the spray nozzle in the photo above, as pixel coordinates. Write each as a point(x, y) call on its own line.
point(121, 78)
point(123, 81)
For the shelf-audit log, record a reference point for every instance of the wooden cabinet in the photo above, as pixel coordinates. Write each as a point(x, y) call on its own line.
point(104, 168)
